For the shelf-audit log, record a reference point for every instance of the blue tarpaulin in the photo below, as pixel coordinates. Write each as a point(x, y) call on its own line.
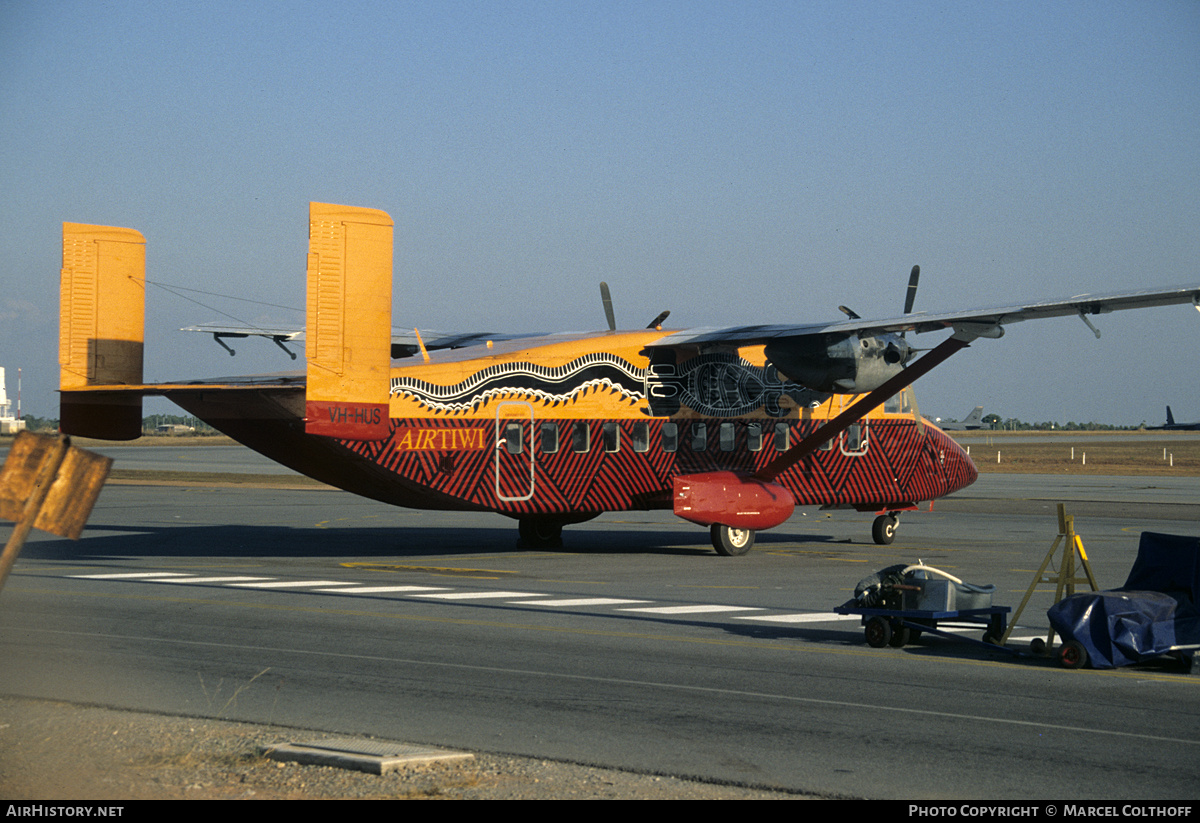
point(1155, 612)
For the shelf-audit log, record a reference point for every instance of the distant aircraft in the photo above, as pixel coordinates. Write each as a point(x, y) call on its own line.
point(1171, 425)
point(730, 428)
point(972, 421)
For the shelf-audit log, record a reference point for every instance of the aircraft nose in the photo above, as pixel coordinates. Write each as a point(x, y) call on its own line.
point(958, 470)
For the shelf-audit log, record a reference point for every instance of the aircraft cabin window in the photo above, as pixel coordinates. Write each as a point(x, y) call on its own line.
point(727, 437)
point(549, 438)
point(854, 439)
point(670, 437)
point(512, 438)
point(581, 437)
point(699, 437)
point(641, 436)
point(612, 437)
point(783, 437)
point(754, 436)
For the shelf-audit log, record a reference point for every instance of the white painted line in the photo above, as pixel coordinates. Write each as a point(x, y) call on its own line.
point(479, 595)
point(581, 601)
point(294, 584)
point(129, 576)
point(809, 617)
point(215, 579)
point(385, 589)
point(692, 609)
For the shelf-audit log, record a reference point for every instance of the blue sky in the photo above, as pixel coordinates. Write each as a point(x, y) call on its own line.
point(732, 162)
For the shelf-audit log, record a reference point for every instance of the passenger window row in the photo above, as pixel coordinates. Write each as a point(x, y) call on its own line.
point(697, 436)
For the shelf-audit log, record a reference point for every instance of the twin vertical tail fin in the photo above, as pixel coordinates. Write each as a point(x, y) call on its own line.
point(101, 331)
point(348, 339)
point(349, 326)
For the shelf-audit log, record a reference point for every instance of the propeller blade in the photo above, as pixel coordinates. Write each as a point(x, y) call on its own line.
point(911, 297)
point(657, 322)
point(606, 296)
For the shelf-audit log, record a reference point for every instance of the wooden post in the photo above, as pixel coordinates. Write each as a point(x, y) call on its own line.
point(48, 484)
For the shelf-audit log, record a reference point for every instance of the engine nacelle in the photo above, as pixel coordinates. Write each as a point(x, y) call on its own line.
point(731, 499)
point(839, 363)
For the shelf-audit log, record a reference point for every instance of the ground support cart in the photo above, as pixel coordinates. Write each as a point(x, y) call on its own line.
point(898, 627)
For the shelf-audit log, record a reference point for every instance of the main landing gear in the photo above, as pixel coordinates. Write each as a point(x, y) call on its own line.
point(731, 542)
point(883, 530)
point(540, 533)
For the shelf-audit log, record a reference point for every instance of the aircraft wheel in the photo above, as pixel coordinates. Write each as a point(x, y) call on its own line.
point(883, 530)
point(1072, 655)
point(540, 533)
point(878, 632)
point(731, 542)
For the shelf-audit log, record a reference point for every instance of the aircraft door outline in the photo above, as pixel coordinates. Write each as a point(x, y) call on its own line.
point(514, 460)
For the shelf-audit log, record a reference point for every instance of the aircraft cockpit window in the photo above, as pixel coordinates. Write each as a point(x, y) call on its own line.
point(512, 438)
point(581, 437)
point(754, 437)
point(641, 436)
point(670, 437)
point(699, 437)
point(783, 437)
point(612, 437)
point(549, 438)
point(727, 437)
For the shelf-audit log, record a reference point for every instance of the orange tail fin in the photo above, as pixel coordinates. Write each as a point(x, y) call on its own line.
point(349, 326)
point(101, 330)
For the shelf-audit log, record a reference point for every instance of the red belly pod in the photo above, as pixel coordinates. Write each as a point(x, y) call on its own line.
point(731, 499)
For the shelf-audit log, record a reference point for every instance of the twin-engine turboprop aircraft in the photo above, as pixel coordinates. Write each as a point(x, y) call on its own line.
point(731, 428)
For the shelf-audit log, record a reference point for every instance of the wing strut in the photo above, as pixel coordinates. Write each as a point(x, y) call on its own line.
point(935, 357)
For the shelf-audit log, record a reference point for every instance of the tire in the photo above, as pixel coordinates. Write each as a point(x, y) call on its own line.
point(878, 632)
point(901, 637)
point(540, 533)
point(731, 542)
point(1072, 655)
point(883, 530)
point(1037, 646)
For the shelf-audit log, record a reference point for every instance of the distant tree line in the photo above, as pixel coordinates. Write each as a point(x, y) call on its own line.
point(150, 423)
point(1013, 424)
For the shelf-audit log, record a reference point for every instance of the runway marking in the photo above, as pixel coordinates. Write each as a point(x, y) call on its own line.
point(550, 601)
point(383, 589)
point(129, 576)
point(478, 595)
point(692, 609)
point(810, 617)
point(293, 584)
point(581, 601)
point(211, 580)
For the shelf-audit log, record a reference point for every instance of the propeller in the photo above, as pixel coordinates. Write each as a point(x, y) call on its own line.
point(911, 296)
point(606, 296)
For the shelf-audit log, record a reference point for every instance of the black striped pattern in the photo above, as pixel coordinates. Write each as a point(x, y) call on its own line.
point(904, 464)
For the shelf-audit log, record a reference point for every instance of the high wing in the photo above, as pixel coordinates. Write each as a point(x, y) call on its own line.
point(404, 342)
point(974, 322)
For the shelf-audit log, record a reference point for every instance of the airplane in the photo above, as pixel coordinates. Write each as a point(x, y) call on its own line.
point(1171, 425)
point(972, 421)
point(730, 428)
